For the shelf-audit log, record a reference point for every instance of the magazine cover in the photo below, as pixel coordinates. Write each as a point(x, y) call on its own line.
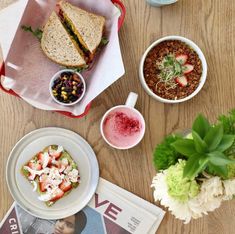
point(112, 210)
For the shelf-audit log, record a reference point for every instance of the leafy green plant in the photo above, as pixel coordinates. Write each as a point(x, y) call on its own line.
point(228, 122)
point(165, 155)
point(37, 32)
point(206, 149)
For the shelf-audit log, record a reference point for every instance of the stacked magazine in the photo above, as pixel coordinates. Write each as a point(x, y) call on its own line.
point(112, 210)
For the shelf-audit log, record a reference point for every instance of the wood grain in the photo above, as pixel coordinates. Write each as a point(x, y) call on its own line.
point(211, 24)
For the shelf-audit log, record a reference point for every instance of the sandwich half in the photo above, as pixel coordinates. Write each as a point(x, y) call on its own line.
point(87, 27)
point(59, 46)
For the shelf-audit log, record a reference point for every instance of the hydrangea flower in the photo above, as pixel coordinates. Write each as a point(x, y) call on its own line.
point(178, 187)
point(211, 193)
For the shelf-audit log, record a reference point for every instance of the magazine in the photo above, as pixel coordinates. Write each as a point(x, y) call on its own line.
point(112, 210)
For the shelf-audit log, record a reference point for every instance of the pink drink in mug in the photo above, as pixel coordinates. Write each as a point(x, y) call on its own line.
point(122, 126)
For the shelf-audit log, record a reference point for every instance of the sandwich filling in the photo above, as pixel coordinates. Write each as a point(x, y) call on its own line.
point(75, 37)
point(85, 27)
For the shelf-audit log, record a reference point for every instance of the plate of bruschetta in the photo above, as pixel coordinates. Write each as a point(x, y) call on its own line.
point(52, 173)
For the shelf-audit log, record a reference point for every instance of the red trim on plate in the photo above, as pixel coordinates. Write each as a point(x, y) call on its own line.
point(66, 113)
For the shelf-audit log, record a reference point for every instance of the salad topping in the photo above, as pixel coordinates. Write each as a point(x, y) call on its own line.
point(52, 173)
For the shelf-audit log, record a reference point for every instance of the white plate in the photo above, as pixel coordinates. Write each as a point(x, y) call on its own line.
point(22, 191)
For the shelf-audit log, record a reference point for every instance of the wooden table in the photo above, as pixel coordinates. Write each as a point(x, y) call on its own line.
point(211, 24)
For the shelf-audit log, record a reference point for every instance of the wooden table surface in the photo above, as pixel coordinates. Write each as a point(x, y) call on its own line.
point(211, 24)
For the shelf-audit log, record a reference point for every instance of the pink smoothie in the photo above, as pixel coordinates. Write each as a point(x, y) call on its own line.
point(123, 127)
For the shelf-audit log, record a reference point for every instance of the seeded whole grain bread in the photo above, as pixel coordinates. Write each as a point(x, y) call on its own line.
point(58, 46)
point(87, 26)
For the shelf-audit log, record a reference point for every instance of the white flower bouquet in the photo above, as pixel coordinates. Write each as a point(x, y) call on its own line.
point(196, 172)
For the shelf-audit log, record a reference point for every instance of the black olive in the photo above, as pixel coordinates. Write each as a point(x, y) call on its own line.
point(68, 89)
point(66, 74)
point(57, 81)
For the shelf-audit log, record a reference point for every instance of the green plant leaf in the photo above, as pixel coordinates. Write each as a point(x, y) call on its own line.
point(201, 125)
point(225, 143)
point(219, 159)
point(228, 122)
point(214, 137)
point(218, 170)
point(165, 154)
point(199, 144)
point(184, 146)
point(195, 164)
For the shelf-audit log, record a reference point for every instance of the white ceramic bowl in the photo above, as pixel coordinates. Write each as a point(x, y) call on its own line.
point(57, 74)
point(194, 47)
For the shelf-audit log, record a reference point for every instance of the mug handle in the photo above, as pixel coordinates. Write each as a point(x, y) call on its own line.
point(131, 99)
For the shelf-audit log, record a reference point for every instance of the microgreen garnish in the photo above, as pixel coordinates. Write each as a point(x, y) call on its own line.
point(169, 68)
point(37, 32)
point(172, 69)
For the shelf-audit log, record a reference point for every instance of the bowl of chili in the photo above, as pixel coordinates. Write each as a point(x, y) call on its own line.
point(173, 69)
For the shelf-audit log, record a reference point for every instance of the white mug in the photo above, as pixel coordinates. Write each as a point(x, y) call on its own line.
point(130, 104)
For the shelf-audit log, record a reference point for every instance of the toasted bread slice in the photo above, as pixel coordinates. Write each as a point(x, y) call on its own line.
point(59, 46)
point(87, 26)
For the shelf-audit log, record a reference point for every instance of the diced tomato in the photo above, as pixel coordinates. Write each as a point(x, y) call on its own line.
point(58, 194)
point(58, 164)
point(35, 165)
point(65, 185)
point(51, 166)
point(43, 182)
point(42, 186)
point(54, 154)
point(41, 158)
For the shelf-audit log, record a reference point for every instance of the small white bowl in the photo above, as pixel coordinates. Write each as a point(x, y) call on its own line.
point(57, 75)
point(201, 57)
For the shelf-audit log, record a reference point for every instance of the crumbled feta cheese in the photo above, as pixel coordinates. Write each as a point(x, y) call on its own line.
point(46, 159)
point(33, 172)
point(68, 169)
point(73, 175)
